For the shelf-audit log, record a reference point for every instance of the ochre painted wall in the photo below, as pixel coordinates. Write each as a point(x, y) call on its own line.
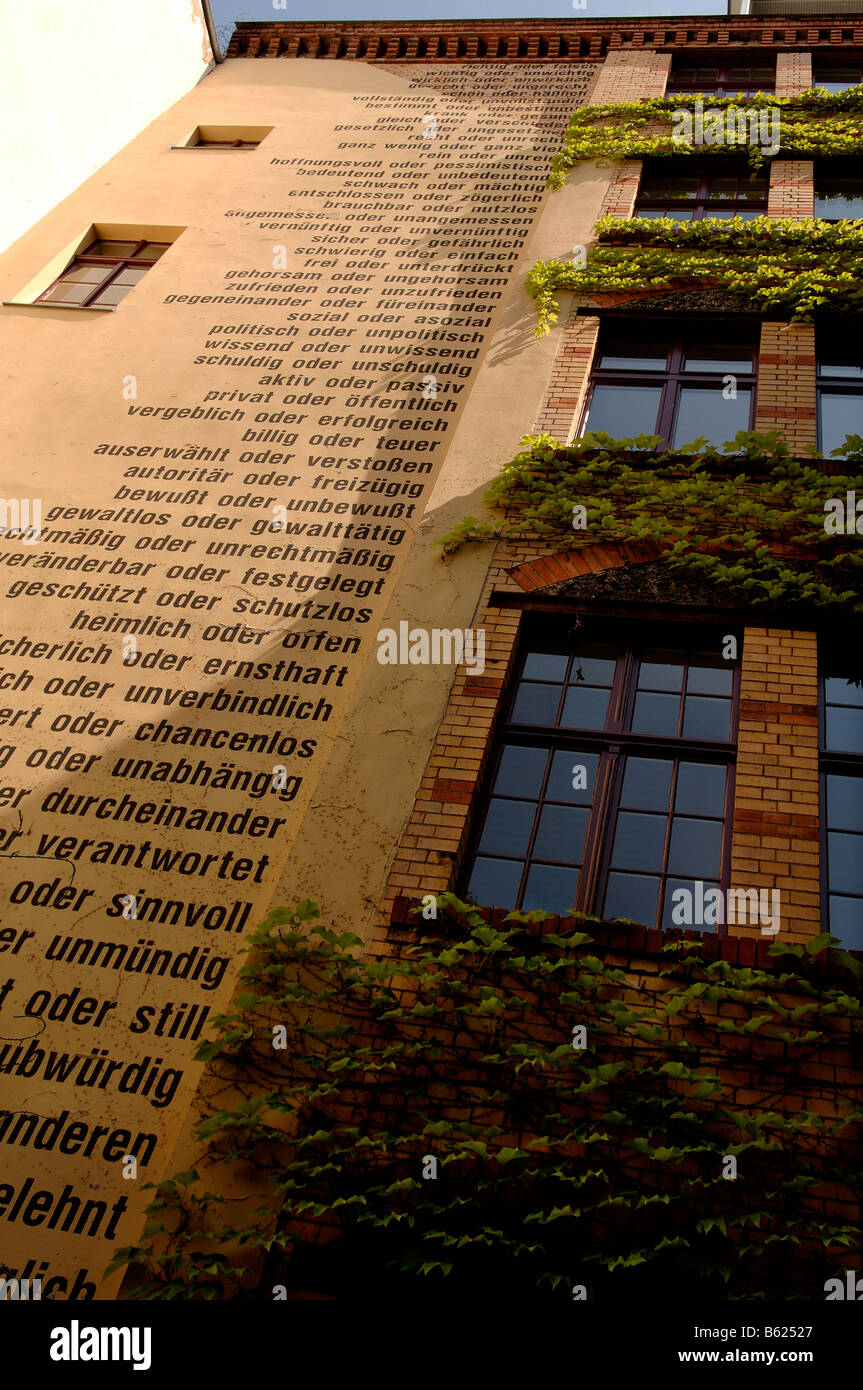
point(464, 210)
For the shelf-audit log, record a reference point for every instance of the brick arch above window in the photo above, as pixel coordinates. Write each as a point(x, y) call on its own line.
point(572, 564)
point(560, 567)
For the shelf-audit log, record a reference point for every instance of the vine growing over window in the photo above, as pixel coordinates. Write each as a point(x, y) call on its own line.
point(814, 124)
point(750, 518)
point(790, 268)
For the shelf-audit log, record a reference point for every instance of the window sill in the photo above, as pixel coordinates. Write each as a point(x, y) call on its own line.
point(76, 308)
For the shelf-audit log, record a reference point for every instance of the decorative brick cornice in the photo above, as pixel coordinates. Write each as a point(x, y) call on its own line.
point(535, 40)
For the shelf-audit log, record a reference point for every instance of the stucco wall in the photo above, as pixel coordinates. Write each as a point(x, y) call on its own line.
point(344, 224)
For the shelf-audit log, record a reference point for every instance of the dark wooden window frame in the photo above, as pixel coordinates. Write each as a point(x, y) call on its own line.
point(612, 744)
point(823, 64)
point(724, 83)
point(675, 376)
point(119, 264)
point(702, 204)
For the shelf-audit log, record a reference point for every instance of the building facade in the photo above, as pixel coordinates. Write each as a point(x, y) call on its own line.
point(304, 282)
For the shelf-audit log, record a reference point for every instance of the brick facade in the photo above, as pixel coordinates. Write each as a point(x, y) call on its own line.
point(775, 836)
point(434, 839)
point(622, 192)
point(775, 820)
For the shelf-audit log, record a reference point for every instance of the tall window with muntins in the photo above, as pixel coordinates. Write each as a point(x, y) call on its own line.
point(687, 191)
point(682, 380)
point(103, 273)
point(838, 190)
point(721, 76)
point(842, 800)
point(837, 77)
point(612, 775)
point(839, 357)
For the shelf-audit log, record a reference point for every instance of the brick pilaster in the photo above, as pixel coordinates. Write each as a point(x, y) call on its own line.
point(427, 854)
point(622, 192)
point(792, 192)
point(628, 75)
point(775, 840)
point(569, 377)
point(793, 73)
point(786, 382)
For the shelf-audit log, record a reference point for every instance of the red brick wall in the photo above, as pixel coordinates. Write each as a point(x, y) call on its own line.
point(775, 838)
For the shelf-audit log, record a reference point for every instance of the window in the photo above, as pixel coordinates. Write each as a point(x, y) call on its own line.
point(838, 189)
point(840, 386)
point(836, 77)
point(225, 137)
point(842, 800)
point(722, 77)
point(680, 381)
point(688, 191)
point(103, 273)
point(612, 774)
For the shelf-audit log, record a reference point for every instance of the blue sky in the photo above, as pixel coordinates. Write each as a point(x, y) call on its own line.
point(226, 11)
